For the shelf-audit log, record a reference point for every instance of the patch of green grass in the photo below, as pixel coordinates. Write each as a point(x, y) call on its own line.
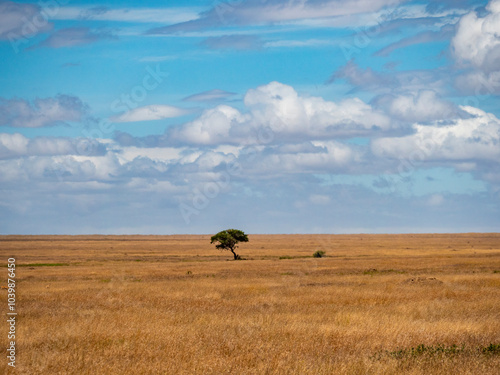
point(491, 349)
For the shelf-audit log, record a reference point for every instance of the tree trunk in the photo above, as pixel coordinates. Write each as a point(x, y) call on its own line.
point(235, 255)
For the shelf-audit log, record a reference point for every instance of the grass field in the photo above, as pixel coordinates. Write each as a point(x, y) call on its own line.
point(376, 304)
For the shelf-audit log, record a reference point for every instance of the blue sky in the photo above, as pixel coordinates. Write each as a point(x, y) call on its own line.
point(310, 116)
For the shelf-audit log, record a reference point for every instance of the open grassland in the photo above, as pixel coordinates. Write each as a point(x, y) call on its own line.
point(376, 304)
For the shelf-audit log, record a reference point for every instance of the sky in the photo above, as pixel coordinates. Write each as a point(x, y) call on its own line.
point(299, 116)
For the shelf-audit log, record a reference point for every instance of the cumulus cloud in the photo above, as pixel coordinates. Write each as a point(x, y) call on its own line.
point(150, 113)
point(477, 44)
point(213, 126)
point(329, 156)
point(277, 111)
point(479, 83)
point(420, 106)
point(17, 145)
point(281, 108)
point(12, 144)
point(272, 174)
point(478, 38)
point(42, 112)
point(476, 138)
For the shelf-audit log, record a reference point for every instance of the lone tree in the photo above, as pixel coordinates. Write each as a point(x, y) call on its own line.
point(228, 239)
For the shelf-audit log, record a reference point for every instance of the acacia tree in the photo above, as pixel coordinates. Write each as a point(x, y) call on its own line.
point(228, 240)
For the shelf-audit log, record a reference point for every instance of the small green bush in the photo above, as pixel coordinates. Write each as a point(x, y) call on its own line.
point(491, 349)
point(319, 254)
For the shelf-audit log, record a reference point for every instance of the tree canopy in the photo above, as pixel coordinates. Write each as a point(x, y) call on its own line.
point(228, 240)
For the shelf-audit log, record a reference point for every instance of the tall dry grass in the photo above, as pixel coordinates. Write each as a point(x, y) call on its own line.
point(175, 305)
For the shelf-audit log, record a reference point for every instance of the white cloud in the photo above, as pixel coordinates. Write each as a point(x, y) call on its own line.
point(477, 44)
point(281, 108)
point(43, 112)
point(474, 138)
point(254, 12)
point(277, 111)
point(164, 154)
point(212, 127)
point(150, 113)
point(17, 145)
point(478, 37)
point(12, 144)
point(138, 15)
point(479, 83)
point(21, 21)
point(423, 105)
point(325, 156)
point(274, 11)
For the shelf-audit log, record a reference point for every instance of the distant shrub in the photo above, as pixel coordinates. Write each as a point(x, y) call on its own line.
point(422, 349)
point(438, 351)
point(491, 349)
point(319, 254)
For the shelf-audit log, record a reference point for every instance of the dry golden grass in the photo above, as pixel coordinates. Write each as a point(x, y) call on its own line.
point(175, 305)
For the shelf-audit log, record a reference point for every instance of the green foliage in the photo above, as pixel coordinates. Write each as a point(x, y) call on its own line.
point(491, 349)
point(319, 254)
point(228, 240)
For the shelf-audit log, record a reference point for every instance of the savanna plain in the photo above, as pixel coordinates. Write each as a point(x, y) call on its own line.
point(374, 304)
